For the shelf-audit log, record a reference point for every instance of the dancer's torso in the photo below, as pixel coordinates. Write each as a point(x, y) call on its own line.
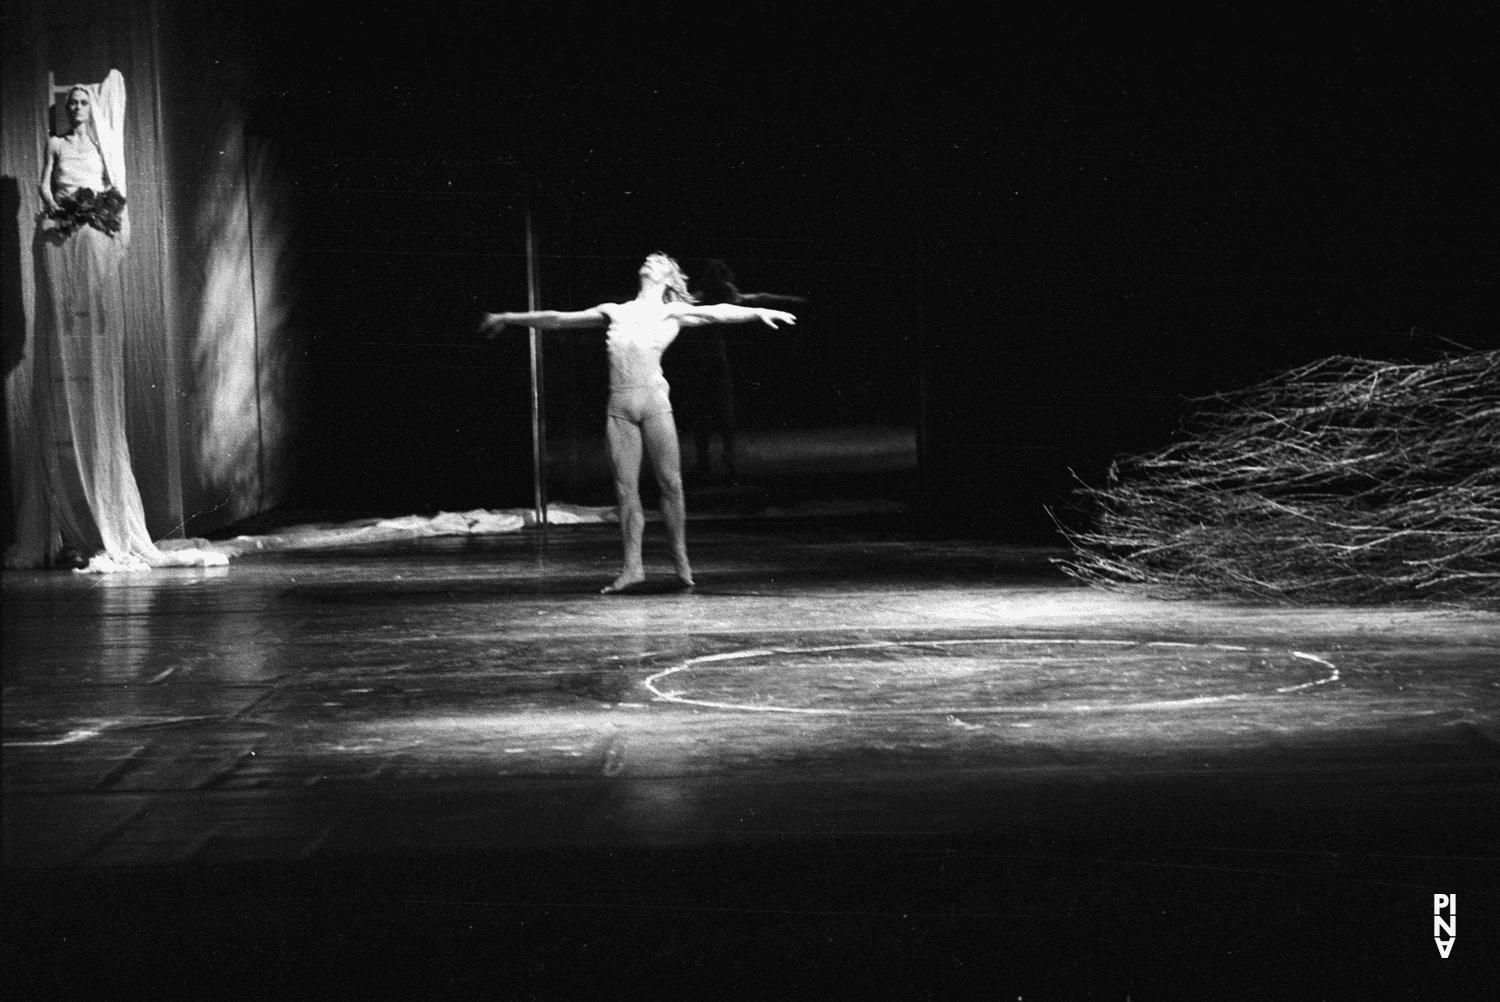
point(79, 165)
point(639, 333)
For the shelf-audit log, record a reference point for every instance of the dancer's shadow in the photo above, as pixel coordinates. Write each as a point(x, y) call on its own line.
point(701, 375)
point(12, 320)
point(12, 309)
point(699, 589)
point(649, 587)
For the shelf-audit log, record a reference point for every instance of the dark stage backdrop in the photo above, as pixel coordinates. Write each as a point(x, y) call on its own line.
point(400, 254)
point(1025, 240)
point(406, 411)
point(1030, 241)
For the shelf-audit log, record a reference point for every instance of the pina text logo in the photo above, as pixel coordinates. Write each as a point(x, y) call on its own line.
point(1445, 922)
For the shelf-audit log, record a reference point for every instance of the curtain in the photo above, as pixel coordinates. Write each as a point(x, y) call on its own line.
point(92, 503)
point(195, 325)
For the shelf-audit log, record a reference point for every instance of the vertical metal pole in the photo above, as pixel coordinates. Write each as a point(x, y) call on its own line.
point(260, 439)
point(925, 457)
point(538, 418)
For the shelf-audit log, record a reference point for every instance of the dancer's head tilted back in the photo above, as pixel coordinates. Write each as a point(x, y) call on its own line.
point(661, 269)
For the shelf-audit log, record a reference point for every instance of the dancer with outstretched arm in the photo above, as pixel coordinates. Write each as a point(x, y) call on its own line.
point(639, 421)
point(705, 391)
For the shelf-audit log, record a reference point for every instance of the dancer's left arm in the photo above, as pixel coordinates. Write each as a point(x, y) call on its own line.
point(766, 299)
point(726, 313)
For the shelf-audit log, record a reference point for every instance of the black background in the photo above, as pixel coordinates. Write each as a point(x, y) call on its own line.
point(1031, 237)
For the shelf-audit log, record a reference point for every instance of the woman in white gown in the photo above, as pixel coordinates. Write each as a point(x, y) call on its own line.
point(89, 501)
point(639, 418)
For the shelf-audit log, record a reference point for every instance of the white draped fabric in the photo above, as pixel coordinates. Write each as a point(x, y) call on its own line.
point(92, 502)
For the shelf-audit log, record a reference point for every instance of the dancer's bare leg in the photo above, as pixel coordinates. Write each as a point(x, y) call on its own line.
point(624, 438)
point(660, 434)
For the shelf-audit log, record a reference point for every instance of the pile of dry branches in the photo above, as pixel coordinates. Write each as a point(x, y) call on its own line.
point(1346, 480)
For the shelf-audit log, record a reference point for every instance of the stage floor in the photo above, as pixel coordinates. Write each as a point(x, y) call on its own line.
point(851, 752)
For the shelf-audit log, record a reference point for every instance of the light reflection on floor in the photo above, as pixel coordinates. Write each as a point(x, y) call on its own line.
point(817, 663)
point(951, 726)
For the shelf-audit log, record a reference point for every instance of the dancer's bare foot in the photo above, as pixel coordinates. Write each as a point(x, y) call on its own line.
point(684, 575)
point(626, 580)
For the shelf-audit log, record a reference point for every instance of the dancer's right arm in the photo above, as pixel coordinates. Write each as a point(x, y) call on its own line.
point(49, 165)
point(547, 320)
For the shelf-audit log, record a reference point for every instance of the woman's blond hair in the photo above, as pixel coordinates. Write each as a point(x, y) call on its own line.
point(676, 280)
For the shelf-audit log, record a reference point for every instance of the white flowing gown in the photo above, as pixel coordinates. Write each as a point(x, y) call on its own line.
point(79, 377)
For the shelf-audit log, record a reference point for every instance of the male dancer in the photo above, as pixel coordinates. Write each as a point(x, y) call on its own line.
point(639, 417)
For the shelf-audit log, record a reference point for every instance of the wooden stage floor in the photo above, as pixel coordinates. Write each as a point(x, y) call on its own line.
point(853, 756)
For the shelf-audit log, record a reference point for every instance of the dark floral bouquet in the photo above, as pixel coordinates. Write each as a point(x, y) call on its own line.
point(85, 207)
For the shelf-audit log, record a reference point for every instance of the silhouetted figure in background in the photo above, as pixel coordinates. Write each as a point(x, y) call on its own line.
point(705, 392)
